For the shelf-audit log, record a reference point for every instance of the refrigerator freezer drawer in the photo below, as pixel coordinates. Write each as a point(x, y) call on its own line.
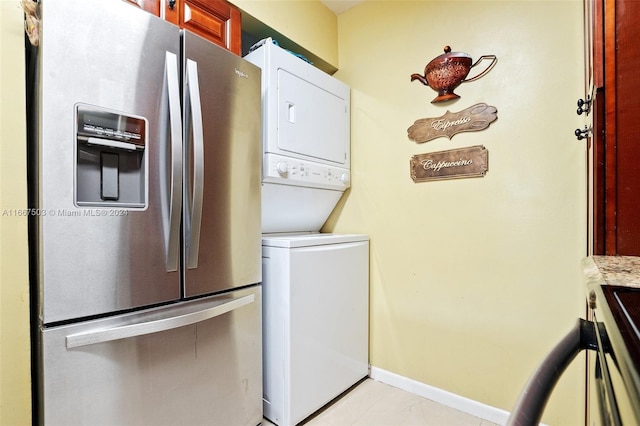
point(196, 362)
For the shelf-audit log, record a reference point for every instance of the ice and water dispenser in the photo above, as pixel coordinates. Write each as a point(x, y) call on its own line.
point(111, 158)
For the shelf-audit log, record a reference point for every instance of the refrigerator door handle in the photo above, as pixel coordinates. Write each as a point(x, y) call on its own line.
point(172, 225)
point(195, 216)
point(144, 328)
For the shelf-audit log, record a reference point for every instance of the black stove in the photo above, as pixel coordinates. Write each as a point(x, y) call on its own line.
point(617, 365)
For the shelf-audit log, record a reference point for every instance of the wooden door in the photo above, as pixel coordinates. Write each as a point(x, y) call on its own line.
point(613, 62)
point(622, 141)
point(592, 105)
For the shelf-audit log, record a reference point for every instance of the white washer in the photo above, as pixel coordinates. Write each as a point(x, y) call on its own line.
point(315, 321)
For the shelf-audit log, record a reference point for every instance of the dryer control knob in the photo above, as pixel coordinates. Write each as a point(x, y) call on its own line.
point(282, 168)
point(344, 178)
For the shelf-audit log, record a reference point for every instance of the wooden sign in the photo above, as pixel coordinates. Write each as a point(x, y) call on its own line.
point(452, 164)
point(472, 119)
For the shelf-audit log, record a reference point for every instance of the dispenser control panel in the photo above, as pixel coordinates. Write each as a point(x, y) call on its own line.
point(111, 158)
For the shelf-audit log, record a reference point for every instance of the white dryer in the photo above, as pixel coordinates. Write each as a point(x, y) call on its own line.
point(306, 140)
point(315, 321)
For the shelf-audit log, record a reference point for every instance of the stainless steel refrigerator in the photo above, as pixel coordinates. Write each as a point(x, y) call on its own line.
point(145, 227)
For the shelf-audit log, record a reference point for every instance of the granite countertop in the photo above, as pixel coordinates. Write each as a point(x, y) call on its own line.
point(612, 270)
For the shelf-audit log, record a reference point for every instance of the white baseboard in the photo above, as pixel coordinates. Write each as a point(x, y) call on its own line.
point(460, 403)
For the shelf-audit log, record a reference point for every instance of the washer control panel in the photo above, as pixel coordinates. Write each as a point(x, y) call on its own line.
point(293, 171)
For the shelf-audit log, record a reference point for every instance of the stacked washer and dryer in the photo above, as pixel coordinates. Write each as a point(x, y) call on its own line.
point(315, 285)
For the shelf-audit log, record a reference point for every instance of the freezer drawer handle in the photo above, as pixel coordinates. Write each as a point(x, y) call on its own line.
point(134, 330)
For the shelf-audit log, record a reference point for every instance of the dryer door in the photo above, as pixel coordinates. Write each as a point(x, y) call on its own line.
point(313, 122)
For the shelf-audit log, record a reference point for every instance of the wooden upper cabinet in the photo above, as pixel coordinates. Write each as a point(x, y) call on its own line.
point(215, 20)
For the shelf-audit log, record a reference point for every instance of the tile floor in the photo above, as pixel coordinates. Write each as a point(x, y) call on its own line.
point(373, 403)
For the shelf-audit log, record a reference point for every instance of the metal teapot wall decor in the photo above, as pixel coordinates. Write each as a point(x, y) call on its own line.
point(447, 71)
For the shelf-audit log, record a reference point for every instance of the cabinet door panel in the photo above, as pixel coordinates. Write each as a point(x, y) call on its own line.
point(214, 20)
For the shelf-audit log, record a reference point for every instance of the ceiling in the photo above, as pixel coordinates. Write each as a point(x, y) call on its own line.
point(339, 6)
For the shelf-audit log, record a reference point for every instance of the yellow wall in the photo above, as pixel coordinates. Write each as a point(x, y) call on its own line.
point(472, 280)
point(307, 22)
point(15, 396)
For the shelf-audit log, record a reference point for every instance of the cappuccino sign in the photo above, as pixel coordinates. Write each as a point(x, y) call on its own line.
point(451, 164)
point(472, 119)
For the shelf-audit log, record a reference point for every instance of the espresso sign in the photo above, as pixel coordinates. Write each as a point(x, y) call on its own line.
point(472, 119)
point(453, 164)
